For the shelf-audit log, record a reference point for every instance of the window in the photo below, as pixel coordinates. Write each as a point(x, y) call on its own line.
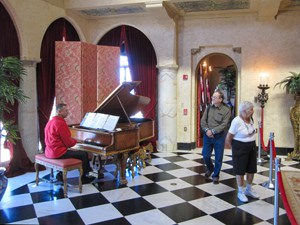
point(126, 76)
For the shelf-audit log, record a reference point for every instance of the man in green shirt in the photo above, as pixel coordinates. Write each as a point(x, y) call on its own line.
point(214, 123)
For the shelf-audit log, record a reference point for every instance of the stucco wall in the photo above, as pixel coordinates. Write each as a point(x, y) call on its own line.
point(271, 46)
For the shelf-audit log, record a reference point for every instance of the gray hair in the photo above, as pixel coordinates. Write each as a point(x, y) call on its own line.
point(60, 106)
point(245, 107)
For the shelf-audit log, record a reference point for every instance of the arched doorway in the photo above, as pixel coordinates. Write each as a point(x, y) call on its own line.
point(214, 71)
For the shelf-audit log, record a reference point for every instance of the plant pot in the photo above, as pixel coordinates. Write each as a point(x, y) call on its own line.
point(3, 182)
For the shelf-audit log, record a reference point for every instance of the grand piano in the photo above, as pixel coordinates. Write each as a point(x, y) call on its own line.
point(127, 135)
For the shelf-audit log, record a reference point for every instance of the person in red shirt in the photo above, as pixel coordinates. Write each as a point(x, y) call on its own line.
point(58, 139)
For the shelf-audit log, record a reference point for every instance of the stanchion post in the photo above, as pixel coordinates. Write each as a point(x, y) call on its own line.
point(269, 184)
point(276, 192)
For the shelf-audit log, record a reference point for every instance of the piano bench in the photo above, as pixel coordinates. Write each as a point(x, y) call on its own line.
point(63, 165)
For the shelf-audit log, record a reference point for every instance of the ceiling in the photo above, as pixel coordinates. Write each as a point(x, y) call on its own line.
point(176, 9)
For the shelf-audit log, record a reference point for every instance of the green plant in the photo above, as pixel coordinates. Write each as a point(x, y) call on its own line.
point(291, 84)
point(228, 80)
point(11, 72)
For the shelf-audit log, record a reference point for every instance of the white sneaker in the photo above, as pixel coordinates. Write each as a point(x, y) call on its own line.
point(251, 193)
point(242, 197)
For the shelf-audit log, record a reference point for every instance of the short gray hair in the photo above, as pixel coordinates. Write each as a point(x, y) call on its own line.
point(245, 106)
point(60, 106)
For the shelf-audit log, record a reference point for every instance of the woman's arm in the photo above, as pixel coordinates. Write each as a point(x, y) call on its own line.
point(229, 138)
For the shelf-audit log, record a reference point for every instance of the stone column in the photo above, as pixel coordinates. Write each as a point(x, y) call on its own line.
point(28, 118)
point(167, 108)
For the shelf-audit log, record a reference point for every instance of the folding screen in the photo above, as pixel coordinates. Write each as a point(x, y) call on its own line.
point(85, 75)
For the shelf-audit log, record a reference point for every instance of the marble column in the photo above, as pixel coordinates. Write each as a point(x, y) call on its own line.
point(167, 108)
point(28, 119)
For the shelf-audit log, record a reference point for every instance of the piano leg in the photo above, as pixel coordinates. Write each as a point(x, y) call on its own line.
point(122, 161)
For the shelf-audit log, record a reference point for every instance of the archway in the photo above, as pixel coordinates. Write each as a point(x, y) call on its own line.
point(214, 71)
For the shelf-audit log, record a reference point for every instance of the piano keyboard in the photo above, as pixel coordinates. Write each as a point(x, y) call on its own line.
point(82, 145)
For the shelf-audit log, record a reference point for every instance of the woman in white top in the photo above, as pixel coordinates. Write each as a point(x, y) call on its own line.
point(241, 137)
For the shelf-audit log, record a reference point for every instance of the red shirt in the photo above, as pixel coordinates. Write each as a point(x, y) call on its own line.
point(57, 137)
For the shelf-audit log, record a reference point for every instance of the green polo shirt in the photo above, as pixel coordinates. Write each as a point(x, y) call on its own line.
point(217, 120)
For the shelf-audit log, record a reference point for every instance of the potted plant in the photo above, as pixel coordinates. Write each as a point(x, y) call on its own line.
point(11, 72)
point(228, 80)
point(292, 86)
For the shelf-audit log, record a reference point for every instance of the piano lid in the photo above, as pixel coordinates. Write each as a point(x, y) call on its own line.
point(122, 103)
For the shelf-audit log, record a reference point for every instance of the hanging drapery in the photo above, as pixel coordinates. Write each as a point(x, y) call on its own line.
point(9, 46)
point(142, 64)
point(58, 30)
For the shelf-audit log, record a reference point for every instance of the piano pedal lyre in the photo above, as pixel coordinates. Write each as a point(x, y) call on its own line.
point(97, 166)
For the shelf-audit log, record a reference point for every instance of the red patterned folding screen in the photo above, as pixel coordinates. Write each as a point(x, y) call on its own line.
point(85, 75)
point(108, 64)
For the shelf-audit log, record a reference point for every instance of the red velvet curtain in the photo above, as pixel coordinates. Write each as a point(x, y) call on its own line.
point(142, 64)
point(58, 30)
point(9, 46)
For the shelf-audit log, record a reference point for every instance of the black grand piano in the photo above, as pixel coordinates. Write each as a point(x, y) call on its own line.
point(127, 135)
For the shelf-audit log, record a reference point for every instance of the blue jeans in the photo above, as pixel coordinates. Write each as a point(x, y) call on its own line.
point(217, 143)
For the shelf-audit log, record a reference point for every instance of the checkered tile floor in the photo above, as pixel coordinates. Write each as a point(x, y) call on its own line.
point(172, 189)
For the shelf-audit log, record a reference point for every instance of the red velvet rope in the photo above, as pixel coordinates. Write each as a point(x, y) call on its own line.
point(273, 149)
point(285, 201)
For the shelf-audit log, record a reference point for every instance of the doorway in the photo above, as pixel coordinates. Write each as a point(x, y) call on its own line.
point(216, 71)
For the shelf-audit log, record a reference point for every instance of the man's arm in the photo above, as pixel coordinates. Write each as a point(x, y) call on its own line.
point(65, 135)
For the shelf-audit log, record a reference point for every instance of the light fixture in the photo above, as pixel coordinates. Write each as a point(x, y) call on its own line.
point(263, 86)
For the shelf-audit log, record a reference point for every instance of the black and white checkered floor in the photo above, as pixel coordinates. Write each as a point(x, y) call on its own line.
point(172, 189)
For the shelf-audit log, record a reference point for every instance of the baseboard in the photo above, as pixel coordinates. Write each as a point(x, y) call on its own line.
point(186, 146)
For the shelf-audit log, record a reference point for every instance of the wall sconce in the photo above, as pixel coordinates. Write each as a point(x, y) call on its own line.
point(263, 86)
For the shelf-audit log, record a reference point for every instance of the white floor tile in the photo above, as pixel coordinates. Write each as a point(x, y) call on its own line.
point(182, 173)
point(174, 184)
point(261, 209)
point(151, 217)
point(163, 199)
point(211, 204)
point(120, 194)
point(53, 207)
point(99, 213)
point(188, 164)
point(202, 220)
point(15, 200)
point(214, 189)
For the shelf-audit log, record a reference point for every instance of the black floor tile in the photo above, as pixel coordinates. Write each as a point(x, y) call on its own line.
point(198, 169)
point(119, 221)
point(49, 195)
point(182, 212)
point(133, 206)
point(160, 176)
point(148, 189)
point(85, 201)
point(282, 220)
point(107, 185)
point(21, 190)
point(191, 193)
point(196, 179)
point(236, 216)
point(67, 218)
point(230, 182)
point(168, 166)
point(175, 158)
point(17, 214)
